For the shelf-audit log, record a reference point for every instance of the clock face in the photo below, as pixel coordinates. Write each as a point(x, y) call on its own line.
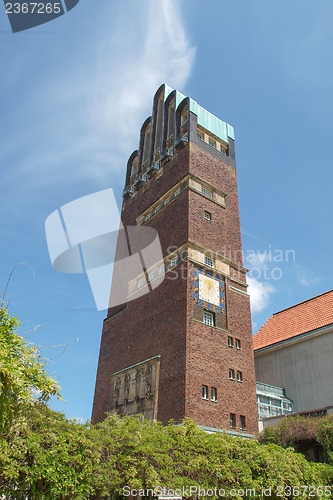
point(209, 290)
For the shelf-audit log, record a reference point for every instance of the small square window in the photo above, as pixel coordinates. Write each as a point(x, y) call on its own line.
point(223, 151)
point(151, 276)
point(212, 143)
point(239, 376)
point(208, 215)
point(161, 269)
point(238, 344)
point(206, 192)
point(213, 394)
point(177, 192)
point(174, 261)
point(232, 420)
point(140, 283)
point(231, 374)
point(230, 342)
point(209, 262)
point(200, 135)
point(204, 392)
point(209, 318)
point(166, 201)
point(242, 422)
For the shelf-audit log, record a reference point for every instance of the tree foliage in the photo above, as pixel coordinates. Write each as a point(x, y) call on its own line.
point(44, 456)
point(301, 433)
point(22, 374)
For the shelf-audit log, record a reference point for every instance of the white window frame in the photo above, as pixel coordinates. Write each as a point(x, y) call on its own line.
point(238, 344)
point(204, 392)
point(213, 394)
point(230, 341)
point(212, 142)
point(208, 318)
point(207, 215)
point(140, 283)
point(161, 269)
point(177, 192)
point(209, 262)
point(206, 192)
point(231, 374)
point(239, 376)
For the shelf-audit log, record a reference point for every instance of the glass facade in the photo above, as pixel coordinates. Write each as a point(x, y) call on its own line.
point(272, 401)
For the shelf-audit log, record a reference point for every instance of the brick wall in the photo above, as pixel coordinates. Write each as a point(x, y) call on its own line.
point(163, 321)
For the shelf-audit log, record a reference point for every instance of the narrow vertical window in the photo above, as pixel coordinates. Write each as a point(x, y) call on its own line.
point(213, 394)
point(238, 344)
point(174, 261)
point(230, 342)
point(239, 376)
point(231, 374)
point(242, 422)
point(232, 420)
point(205, 392)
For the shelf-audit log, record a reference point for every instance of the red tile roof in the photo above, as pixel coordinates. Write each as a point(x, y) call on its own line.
point(301, 318)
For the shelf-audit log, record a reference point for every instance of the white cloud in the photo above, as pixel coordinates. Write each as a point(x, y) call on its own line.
point(259, 293)
point(305, 277)
point(257, 259)
point(83, 120)
point(124, 91)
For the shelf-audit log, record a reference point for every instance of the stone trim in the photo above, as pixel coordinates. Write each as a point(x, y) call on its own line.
point(239, 291)
point(137, 364)
point(190, 182)
point(193, 253)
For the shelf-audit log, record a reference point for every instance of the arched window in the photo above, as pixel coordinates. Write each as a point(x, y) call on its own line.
point(171, 123)
point(184, 121)
point(145, 151)
point(134, 169)
point(158, 127)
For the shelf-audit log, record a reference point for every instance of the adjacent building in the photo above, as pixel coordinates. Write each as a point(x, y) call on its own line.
point(294, 350)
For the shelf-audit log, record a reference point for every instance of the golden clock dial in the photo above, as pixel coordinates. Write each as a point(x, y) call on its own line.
point(209, 290)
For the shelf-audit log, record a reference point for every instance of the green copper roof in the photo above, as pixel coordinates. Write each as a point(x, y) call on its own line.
point(205, 118)
point(210, 122)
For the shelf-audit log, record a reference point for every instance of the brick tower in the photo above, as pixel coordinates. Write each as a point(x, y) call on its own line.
point(179, 342)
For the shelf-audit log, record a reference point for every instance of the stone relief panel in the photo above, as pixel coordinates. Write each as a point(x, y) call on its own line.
point(134, 390)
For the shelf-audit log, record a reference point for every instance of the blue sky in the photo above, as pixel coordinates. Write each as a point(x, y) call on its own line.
point(74, 93)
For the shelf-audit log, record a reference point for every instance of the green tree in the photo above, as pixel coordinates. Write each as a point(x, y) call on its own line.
point(23, 377)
